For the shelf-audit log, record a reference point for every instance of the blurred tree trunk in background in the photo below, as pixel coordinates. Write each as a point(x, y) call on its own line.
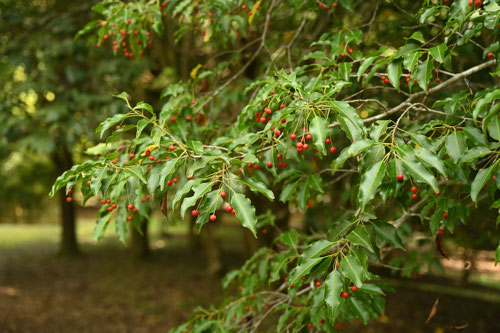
point(139, 244)
point(69, 246)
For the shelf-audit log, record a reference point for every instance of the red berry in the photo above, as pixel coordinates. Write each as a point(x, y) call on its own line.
point(440, 231)
point(171, 147)
point(354, 289)
point(478, 3)
point(223, 194)
point(213, 217)
point(414, 189)
point(277, 132)
point(345, 294)
point(309, 325)
point(143, 200)
point(69, 199)
point(318, 284)
point(414, 196)
point(117, 127)
point(445, 215)
point(114, 206)
point(110, 209)
point(269, 164)
point(438, 193)
point(306, 146)
point(262, 120)
point(309, 137)
point(293, 136)
point(342, 55)
point(131, 156)
point(233, 212)
point(195, 212)
point(70, 191)
point(490, 55)
point(151, 158)
point(327, 141)
point(321, 321)
point(300, 145)
point(333, 150)
point(272, 92)
point(188, 118)
point(349, 51)
point(176, 180)
point(279, 156)
point(130, 206)
point(400, 177)
point(169, 183)
point(229, 209)
point(267, 110)
point(282, 106)
point(103, 201)
point(173, 119)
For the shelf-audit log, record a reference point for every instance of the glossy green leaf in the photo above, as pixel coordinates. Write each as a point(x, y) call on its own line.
point(370, 181)
point(431, 160)
point(481, 179)
point(318, 128)
point(334, 285)
point(245, 212)
point(423, 74)
point(388, 232)
point(438, 52)
point(353, 270)
point(394, 72)
point(258, 187)
point(420, 173)
point(303, 269)
point(199, 191)
point(208, 206)
point(455, 145)
point(315, 249)
point(360, 236)
point(338, 230)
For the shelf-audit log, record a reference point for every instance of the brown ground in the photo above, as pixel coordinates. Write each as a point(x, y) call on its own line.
point(105, 291)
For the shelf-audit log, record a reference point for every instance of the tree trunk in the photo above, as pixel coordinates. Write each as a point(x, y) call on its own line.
point(139, 244)
point(69, 246)
point(211, 249)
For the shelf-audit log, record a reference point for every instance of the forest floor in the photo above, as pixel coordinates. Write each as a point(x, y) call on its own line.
point(106, 291)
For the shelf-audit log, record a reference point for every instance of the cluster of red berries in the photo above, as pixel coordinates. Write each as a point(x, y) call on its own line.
point(302, 145)
point(477, 3)
point(213, 217)
point(327, 7)
point(248, 10)
point(414, 189)
point(121, 41)
point(69, 198)
point(348, 51)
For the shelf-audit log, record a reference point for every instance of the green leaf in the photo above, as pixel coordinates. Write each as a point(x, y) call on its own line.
point(481, 179)
point(290, 238)
point(430, 159)
point(167, 169)
point(370, 181)
point(137, 172)
point(338, 230)
point(438, 52)
point(473, 154)
point(315, 249)
point(144, 106)
point(185, 189)
point(245, 212)
point(420, 173)
point(318, 128)
point(359, 309)
point(424, 73)
point(96, 183)
point(430, 11)
point(475, 135)
point(353, 150)
point(360, 236)
point(378, 128)
point(364, 66)
point(258, 187)
point(388, 232)
point(141, 124)
point(208, 206)
point(334, 285)
point(494, 128)
point(349, 120)
point(199, 191)
point(154, 179)
point(353, 270)
point(100, 227)
point(345, 70)
point(123, 95)
point(417, 35)
point(411, 60)
point(314, 181)
point(394, 73)
point(303, 269)
point(455, 145)
point(108, 123)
